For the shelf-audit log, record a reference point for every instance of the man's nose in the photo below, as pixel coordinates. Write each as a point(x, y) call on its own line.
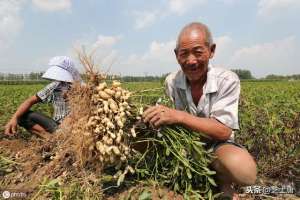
point(191, 59)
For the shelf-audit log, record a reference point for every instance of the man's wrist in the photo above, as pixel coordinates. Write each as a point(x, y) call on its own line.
point(179, 117)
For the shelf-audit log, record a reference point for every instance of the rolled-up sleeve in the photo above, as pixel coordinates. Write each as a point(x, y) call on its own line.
point(169, 87)
point(225, 106)
point(47, 92)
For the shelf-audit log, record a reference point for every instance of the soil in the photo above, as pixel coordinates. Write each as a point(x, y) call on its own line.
point(147, 192)
point(34, 161)
point(35, 158)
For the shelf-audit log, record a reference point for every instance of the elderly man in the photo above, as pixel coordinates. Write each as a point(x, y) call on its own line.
point(206, 101)
point(62, 73)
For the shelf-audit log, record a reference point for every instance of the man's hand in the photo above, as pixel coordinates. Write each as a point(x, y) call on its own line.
point(160, 115)
point(11, 127)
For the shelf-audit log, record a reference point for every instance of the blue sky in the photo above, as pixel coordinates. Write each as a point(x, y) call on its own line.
point(136, 37)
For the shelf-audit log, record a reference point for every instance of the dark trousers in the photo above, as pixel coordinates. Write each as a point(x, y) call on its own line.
point(31, 118)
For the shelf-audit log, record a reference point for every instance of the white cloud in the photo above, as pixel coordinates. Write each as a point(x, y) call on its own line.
point(229, 2)
point(277, 57)
point(181, 6)
point(104, 53)
point(158, 59)
point(53, 5)
point(162, 51)
point(224, 50)
point(144, 19)
point(268, 8)
point(147, 18)
point(102, 42)
point(10, 21)
point(106, 41)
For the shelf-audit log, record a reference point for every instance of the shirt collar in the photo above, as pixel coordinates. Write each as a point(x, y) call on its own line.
point(209, 87)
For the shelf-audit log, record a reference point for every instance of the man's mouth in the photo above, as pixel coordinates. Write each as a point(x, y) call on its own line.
point(193, 69)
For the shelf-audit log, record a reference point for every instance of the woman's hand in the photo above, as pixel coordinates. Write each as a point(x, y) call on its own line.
point(11, 127)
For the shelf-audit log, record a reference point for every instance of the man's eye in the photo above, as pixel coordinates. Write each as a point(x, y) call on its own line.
point(183, 54)
point(199, 53)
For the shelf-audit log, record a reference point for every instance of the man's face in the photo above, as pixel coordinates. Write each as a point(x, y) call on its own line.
point(193, 54)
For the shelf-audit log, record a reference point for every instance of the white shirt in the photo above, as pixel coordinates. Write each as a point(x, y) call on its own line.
point(219, 100)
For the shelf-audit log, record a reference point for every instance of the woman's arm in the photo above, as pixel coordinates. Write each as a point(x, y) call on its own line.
point(11, 126)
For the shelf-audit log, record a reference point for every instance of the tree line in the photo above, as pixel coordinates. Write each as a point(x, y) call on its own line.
point(247, 75)
point(38, 77)
point(21, 77)
point(242, 73)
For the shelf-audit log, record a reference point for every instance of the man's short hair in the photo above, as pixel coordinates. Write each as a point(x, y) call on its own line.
point(202, 27)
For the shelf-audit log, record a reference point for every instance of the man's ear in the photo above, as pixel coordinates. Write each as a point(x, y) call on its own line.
point(176, 54)
point(175, 51)
point(212, 50)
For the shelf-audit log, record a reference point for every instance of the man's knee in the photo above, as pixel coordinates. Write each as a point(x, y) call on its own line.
point(236, 163)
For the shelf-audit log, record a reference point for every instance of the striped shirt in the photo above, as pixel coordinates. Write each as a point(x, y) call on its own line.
point(219, 100)
point(54, 93)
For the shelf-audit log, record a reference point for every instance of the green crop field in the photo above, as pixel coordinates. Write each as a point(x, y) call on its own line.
point(269, 115)
point(13, 95)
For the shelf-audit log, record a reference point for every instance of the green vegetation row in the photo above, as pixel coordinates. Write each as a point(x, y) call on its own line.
point(243, 74)
point(20, 82)
point(137, 80)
